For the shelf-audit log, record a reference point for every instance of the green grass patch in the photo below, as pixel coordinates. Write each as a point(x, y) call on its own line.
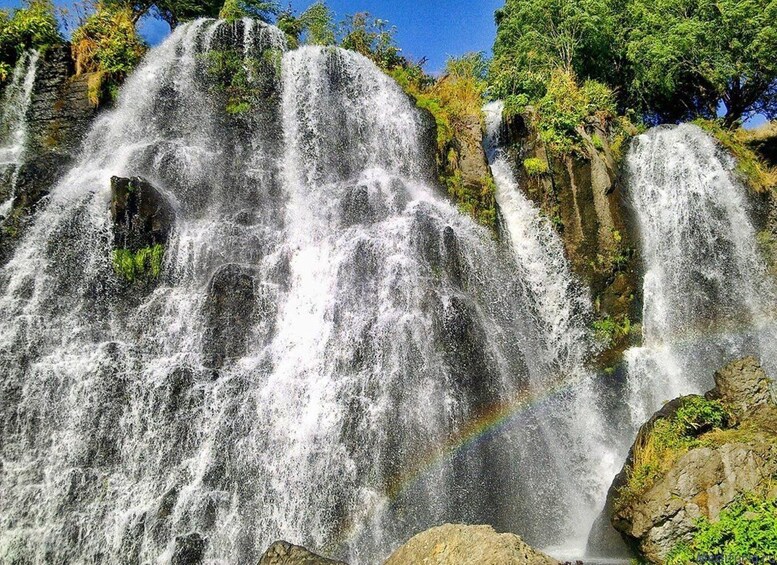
point(754, 171)
point(656, 450)
point(144, 265)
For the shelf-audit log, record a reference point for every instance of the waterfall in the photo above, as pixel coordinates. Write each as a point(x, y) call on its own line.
point(576, 431)
point(707, 296)
point(13, 125)
point(334, 355)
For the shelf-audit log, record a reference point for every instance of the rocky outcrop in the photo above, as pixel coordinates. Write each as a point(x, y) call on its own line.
point(189, 550)
point(284, 553)
point(142, 216)
point(719, 466)
point(581, 193)
point(59, 117)
point(455, 544)
point(229, 312)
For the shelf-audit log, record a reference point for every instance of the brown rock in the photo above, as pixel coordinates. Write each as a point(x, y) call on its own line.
point(284, 553)
point(707, 479)
point(456, 544)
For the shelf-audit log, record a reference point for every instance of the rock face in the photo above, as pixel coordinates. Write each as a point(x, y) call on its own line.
point(59, 117)
point(284, 553)
point(454, 544)
point(582, 194)
point(142, 216)
point(704, 481)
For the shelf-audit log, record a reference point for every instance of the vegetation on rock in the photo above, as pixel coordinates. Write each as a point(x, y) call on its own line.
point(656, 451)
point(143, 265)
point(34, 26)
point(758, 175)
point(107, 45)
point(745, 532)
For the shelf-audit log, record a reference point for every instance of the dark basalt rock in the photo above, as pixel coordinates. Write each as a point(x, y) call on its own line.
point(142, 216)
point(189, 549)
point(58, 119)
point(229, 313)
point(284, 553)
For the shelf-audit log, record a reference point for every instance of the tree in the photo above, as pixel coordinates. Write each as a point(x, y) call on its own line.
point(373, 38)
point(690, 57)
point(536, 37)
point(176, 11)
point(315, 26)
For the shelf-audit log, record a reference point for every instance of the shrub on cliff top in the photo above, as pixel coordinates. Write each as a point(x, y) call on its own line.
point(33, 26)
point(107, 42)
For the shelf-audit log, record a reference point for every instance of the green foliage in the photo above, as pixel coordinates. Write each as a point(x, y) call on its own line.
point(668, 439)
point(609, 330)
point(33, 26)
point(237, 9)
point(671, 60)
point(537, 37)
point(688, 56)
point(745, 532)
point(107, 42)
point(535, 167)
point(373, 38)
point(564, 108)
point(176, 11)
point(143, 265)
point(315, 26)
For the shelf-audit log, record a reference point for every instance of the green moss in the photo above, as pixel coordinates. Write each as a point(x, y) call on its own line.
point(535, 167)
point(745, 533)
point(140, 266)
point(657, 450)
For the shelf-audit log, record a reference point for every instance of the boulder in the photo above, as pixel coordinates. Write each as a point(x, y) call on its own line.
point(142, 216)
point(284, 553)
point(229, 312)
point(189, 549)
point(456, 544)
point(743, 387)
point(714, 472)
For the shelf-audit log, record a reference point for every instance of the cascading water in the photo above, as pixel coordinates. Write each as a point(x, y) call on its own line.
point(13, 125)
point(707, 296)
point(327, 353)
point(571, 422)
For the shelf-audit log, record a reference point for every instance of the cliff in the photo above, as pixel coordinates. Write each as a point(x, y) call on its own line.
point(58, 118)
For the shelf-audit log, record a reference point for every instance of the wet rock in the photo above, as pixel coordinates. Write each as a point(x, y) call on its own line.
point(189, 549)
point(142, 216)
point(743, 387)
point(58, 119)
point(706, 479)
point(284, 553)
point(229, 313)
point(454, 544)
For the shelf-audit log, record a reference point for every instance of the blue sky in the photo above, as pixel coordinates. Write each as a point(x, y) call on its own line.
point(435, 29)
